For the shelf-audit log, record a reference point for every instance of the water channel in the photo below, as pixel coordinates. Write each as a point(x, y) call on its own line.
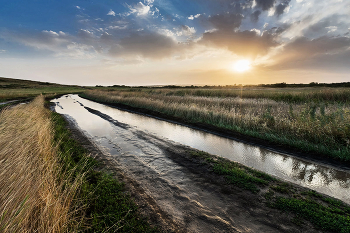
point(325, 179)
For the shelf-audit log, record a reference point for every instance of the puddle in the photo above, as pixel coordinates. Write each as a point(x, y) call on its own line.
point(2, 103)
point(118, 136)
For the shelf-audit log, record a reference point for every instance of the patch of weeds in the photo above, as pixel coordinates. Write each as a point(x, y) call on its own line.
point(322, 217)
point(107, 207)
point(311, 193)
point(332, 201)
point(261, 175)
point(200, 154)
point(110, 209)
point(239, 177)
point(245, 178)
point(282, 188)
point(297, 220)
point(269, 195)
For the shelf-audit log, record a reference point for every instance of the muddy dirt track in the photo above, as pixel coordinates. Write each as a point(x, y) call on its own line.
point(176, 192)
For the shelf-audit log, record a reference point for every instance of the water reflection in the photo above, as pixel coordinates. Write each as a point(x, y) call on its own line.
point(323, 178)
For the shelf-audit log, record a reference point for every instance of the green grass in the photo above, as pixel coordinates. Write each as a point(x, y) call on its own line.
point(316, 127)
point(11, 89)
point(107, 206)
point(236, 174)
point(305, 206)
point(332, 218)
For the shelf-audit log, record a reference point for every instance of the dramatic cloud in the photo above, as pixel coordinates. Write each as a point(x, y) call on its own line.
point(254, 17)
point(279, 34)
point(147, 45)
point(265, 4)
point(243, 43)
point(280, 9)
point(226, 22)
point(302, 51)
point(60, 43)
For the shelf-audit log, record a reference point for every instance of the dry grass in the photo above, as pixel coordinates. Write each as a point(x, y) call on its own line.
point(35, 194)
point(314, 125)
point(9, 94)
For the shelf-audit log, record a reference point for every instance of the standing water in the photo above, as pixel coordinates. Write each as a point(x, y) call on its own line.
point(325, 179)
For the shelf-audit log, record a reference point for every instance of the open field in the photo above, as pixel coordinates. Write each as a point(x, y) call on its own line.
point(49, 183)
point(310, 120)
point(68, 191)
point(194, 187)
point(20, 89)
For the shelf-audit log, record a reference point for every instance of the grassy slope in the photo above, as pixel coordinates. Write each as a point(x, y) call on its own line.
point(36, 193)
point(108, 208)
point(324, 213)
point(20, 89)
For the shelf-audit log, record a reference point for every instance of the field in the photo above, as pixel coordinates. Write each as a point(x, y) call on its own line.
point(11, 89)
point(49, 183)
point(315, 120)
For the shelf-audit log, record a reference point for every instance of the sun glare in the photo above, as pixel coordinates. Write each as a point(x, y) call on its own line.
point(242, 66)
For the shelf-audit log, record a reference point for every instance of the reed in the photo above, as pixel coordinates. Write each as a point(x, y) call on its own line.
point(36, 194)
point(316, 126)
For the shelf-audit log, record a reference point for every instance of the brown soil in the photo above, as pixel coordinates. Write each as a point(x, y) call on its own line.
point(184, 195)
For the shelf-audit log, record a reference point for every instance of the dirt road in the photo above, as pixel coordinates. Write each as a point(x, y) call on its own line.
point(176, 192)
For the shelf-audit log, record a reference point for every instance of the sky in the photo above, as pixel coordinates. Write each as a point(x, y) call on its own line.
point(178, 42)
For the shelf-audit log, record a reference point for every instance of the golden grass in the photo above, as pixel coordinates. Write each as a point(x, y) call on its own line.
point(35, 194)
point(321, 124)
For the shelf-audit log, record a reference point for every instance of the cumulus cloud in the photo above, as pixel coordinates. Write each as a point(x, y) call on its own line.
point(149, 2)
point(185, 30)
point(112, 13)
point(192, 17)
point(139, 9)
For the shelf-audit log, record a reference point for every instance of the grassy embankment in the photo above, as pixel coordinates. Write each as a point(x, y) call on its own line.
point(315, 120)
point(11, 89)
point(48, 183)
point(324, 213)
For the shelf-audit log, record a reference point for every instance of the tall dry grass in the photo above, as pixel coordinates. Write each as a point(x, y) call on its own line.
point(35, 194)
point(320, 126)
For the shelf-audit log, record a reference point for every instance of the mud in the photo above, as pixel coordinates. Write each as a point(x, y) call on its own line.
point(178, 193)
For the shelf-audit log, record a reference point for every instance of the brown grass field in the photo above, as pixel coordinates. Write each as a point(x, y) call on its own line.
point(35, 194)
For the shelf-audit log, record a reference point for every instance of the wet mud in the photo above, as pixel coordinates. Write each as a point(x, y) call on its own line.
point(175, 191)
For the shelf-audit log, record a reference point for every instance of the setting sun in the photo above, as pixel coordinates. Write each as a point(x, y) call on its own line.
point(242, 66)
